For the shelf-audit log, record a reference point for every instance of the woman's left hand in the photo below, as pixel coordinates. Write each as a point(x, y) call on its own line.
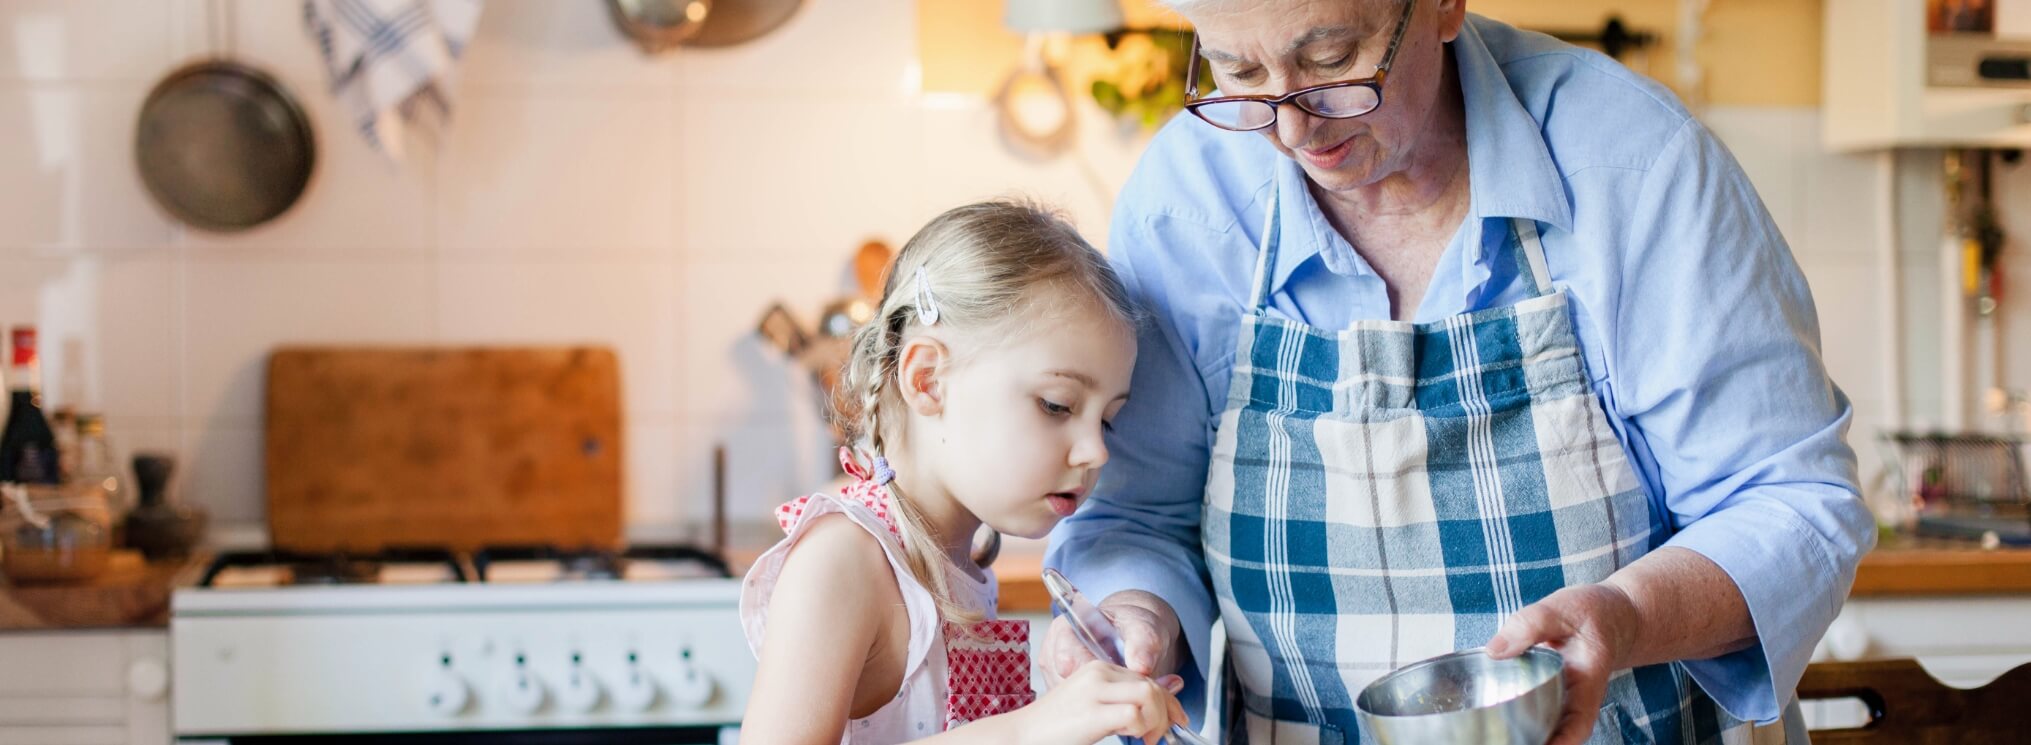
point(1594, 627)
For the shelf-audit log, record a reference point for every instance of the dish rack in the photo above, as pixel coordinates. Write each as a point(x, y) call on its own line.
point(1963, 485)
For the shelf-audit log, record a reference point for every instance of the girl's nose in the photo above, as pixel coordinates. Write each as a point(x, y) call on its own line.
point(1090, 451)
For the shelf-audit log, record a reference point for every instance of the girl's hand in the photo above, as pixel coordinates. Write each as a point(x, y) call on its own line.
point(1097, 701)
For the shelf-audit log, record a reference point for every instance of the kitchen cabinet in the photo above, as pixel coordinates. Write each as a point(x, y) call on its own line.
point(1879, 88)
point(99, 687)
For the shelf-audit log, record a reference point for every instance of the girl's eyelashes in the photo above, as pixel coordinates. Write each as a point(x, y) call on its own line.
point(1053, 408)
point(1107, 425)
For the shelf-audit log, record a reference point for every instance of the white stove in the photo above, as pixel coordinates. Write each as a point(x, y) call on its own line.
point(404, 652)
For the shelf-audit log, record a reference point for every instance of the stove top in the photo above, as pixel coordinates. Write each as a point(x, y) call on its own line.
point(435, 645)
point(436, 566)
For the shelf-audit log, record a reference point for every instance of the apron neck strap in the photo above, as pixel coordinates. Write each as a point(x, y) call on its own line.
point(1265, 254)
point(1530, 263)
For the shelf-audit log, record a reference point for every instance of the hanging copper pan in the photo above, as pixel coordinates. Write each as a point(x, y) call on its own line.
point(223, 147)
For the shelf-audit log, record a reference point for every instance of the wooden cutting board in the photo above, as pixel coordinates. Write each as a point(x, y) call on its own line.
point(443, 447)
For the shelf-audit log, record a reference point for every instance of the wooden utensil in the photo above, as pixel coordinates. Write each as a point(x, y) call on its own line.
point(460, 448)
point(870, 267)
point(1907, 706)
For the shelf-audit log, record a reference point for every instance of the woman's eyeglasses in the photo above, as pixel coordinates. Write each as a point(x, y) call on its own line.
point(1342, 100)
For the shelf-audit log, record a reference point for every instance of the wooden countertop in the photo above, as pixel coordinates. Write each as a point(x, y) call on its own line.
point(131, 593)
point(1900, 567)
point(1904, 566)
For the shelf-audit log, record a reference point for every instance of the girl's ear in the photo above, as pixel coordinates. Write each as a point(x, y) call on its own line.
point(920, 370)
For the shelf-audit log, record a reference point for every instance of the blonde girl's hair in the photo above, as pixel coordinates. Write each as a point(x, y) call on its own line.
point(987, 266)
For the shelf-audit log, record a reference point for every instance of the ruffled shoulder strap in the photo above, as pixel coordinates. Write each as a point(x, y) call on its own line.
point(867, 505)
point(864, 491)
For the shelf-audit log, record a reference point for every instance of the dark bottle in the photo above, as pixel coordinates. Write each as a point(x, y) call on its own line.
point(28, 453)
point(161, 529)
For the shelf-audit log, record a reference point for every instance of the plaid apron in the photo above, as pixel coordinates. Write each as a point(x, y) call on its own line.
point(1393, 491)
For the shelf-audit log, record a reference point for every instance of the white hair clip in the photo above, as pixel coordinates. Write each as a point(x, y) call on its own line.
point(927, 304)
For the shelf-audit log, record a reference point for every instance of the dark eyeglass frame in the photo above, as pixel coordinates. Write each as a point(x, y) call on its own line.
point(1373, 82)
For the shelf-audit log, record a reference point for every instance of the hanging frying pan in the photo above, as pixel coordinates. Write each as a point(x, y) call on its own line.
point(659, 25)
point(223, 147)
point(739, 21)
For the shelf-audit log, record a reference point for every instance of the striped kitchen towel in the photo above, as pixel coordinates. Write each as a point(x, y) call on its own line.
point(388, 58)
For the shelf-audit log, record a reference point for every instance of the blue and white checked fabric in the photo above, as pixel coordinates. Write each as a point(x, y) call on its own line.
point(387, 56)
point(1393, 491)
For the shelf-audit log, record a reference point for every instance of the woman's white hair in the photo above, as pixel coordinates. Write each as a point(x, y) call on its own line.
point(1188, 7)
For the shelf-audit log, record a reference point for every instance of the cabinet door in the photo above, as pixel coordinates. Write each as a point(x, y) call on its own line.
point(146, 682)
point(75, 688)
point(1963, 641)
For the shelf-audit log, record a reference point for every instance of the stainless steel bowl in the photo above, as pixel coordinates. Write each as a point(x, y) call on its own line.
point(1466, 698)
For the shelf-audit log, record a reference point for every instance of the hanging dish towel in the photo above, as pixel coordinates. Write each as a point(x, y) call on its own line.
point(387, 58)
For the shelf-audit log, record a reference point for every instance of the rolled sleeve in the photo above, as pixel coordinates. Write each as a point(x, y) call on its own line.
point(1731, 416)
point(1140, 528)
point(1748, 540)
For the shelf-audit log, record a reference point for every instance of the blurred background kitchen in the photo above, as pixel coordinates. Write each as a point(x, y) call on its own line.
point(706, 204)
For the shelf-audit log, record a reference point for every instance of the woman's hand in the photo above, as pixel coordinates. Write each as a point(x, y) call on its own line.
point(1594, 627)
point(1094, 702)
point(1149, 638)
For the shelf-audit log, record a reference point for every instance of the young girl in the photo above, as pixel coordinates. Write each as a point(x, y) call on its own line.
point(981, 389)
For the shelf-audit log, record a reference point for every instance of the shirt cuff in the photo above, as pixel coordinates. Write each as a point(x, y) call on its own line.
point(1793, 588)
point(1116, 560)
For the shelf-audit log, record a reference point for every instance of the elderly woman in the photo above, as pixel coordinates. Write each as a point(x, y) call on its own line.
point(1462, 336)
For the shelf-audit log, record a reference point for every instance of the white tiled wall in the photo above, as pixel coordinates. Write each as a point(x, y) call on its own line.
point(585, 192)
point(1826, 205)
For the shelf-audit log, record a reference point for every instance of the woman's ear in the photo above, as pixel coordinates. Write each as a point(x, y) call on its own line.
point(1452, 15)
point(920, 371)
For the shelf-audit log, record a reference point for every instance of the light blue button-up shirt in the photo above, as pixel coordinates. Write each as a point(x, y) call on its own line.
point(1698, 330)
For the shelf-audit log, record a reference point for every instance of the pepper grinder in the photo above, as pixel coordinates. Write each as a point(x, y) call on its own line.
point(163, 531)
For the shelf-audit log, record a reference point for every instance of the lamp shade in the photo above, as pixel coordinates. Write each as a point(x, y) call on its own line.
point(1074, 16)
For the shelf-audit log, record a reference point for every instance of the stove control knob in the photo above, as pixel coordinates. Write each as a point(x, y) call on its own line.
point(523, 692)
point(691, 686)
point(635, 691)
point(580, 692)
point(449, 695)
point(1846, 640)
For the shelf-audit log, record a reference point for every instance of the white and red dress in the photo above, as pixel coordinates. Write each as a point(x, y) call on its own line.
point(950, 678)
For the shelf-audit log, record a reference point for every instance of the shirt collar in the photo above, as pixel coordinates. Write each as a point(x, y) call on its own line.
point(1509, 166)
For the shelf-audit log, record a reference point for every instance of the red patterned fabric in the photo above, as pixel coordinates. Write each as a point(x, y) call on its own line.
point(863, 491)
point(987, 672)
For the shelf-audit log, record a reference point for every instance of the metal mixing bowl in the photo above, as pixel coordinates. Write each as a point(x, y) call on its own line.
point(1466, 698)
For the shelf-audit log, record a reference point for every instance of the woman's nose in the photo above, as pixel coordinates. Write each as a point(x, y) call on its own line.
point(1294, 126)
